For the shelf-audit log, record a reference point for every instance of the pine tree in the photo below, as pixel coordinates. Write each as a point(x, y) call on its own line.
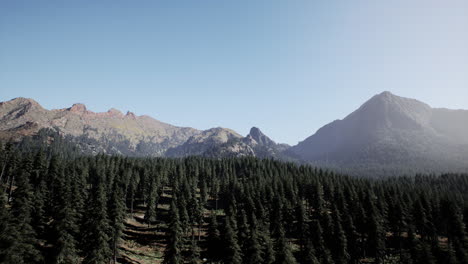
point(243, 230)
point(173, 255)
point(283, 250)
point(39, 217)
point(214, 240)
point(65, 226)
point(116, 217)
point(233, 250)
point(253, 250)
point(151, 205)
point(375, 232)
point(24, 248)
point(310, 255)
point(194, 253)
point(7, 233)
point(319, 244)
point(268, 248)
point(96, 228)
point(340, 244)
point(456, 231)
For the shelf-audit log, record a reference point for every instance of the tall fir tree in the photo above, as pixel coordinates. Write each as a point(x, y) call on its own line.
point(233, 253)
point(116, 217)
point(173, 253)
point(25, 245)
point(96, 227)
point(7, 233)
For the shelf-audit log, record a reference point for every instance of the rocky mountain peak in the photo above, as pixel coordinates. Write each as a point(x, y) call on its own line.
point(22, 101)
point(261, 138)
point(78, 108)
point(255, 132)
point(114, 113)
point(388, 110)
point(130, 115)
point(386, 95)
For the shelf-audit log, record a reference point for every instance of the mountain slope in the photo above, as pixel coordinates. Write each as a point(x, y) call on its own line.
point(222, 142)
point(391, 133)
point(263, 146)
point(201, 143)
point(121, 133)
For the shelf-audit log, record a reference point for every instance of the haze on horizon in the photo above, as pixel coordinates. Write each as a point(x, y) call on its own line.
point(286, 67)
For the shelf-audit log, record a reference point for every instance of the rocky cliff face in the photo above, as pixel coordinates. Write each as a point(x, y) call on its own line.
point(254, 144)
point(204, 142)
point(21, 116)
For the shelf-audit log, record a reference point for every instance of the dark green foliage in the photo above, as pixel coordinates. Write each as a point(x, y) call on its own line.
point(24, 248)
point(283, 251)
point(174, 243)
point(96, 228)
point(310, 254)
point(151, 203)
point(116, 216)
point(253, 250)
point(194, 253)
point(214, 239)
point(233, 254)
point(70, 209)
point(7, 233)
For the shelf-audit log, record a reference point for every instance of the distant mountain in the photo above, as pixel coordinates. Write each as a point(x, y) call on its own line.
point(201, 143)
point(113, 132)
point(387, 135)
point(390, 135)
point(223, 142)
point(263, 146)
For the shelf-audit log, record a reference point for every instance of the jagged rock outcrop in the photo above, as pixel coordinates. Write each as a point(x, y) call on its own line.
point(201, 143)
point(254, 144)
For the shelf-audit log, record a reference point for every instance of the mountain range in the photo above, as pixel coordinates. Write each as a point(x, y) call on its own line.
point(387, 135)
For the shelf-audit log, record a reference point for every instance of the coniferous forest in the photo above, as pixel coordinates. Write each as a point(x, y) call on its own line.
point(62, 208)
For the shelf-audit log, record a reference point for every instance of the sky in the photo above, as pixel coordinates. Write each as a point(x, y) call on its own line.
point(287, 67)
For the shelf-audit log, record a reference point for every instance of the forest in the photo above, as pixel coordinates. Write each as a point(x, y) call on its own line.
point(57, 207)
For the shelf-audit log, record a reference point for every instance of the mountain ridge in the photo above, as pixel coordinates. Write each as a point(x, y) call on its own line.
point(386, 133)
point(392, 131)
point(77, 120)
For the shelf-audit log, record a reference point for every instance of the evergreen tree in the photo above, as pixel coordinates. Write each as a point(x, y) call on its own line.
point(310, 255)
point(283, 251)
point(96, 228)
point(7, 233)
point(214, 240)
point(253, 250)
point(194, 253)
point(151, 204)
point(24, 247)
point(340, 244)
point(232, 249)
point(65, 227)
point(173, 255)
point(116, 217)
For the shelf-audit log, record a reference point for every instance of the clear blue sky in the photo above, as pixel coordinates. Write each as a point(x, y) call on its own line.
point(288, 67)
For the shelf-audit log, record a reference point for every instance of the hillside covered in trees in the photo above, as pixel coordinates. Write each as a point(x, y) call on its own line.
point(57, 207)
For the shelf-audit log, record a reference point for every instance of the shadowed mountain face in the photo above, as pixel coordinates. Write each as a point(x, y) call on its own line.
point(115, 132)
point(393, 134)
